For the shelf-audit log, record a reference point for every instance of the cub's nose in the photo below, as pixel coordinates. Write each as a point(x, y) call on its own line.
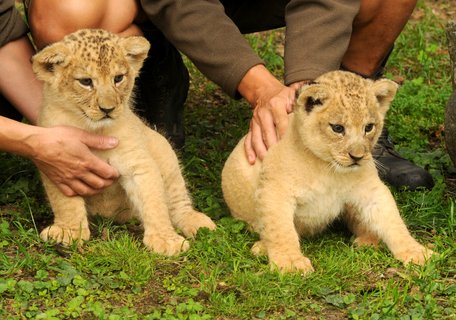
point(107, 111)
point(355, 158)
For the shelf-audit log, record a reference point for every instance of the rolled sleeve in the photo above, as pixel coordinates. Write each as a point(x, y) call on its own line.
point(202, 31)
point(317, 36)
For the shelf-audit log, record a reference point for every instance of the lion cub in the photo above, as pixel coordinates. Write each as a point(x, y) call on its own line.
point(88, 82)
point(321, 169)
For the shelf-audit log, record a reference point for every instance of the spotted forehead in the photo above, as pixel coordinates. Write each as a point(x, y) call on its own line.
point(354, 101)
point(95, 46)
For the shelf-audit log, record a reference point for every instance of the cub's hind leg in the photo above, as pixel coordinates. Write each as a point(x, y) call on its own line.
point(70, 217)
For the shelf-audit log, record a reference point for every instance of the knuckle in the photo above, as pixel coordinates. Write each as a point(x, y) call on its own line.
point(84, 163)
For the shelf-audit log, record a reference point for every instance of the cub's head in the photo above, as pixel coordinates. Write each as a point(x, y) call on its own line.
point(340, 117)
point(90, 74)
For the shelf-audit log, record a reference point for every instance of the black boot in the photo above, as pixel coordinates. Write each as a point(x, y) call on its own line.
point(161, 89)
point(396, 170)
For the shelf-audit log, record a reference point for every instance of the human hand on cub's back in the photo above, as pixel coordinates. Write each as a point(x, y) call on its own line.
point(271, 102)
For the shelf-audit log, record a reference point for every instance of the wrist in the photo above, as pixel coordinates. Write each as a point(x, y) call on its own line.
point(19, 138)
point(256, 82)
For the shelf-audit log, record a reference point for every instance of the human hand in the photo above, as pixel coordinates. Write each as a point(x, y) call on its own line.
point(269, 121)
point(63, 155)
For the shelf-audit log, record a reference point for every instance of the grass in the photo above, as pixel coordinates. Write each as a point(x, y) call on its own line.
point(113, 277)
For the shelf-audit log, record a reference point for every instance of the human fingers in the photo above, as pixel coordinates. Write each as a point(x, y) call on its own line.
point(99, 142)
point(291, 93)
point(257, 139)
point(95, 181)
point(66, 190)
point(97, 166)
point(280, 120)
point(100, 168)
point(267, 125)
point(90, 184)
point(80, 188)
point(248, 148)
point(273, 115)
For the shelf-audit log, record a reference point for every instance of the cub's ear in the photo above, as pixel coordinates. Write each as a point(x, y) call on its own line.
point(45, 62)
point(312, 95)
point(136, 49)
point(385, 91)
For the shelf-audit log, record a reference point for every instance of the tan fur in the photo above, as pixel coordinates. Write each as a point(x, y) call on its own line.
point(310, 177)
point(151, 186)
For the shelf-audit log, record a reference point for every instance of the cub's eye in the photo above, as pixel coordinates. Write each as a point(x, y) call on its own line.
point(369, 127)
point(118, 78)
point(86, 82)
point(337, 128)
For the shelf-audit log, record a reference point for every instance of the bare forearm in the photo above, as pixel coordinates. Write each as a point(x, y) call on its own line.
point(16, 137)
point(256, 83)
point(62, 154)
point(17, 80)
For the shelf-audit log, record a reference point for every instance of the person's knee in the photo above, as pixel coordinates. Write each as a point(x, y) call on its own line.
point(368, 11)
point(51, 20)
point(407, 6)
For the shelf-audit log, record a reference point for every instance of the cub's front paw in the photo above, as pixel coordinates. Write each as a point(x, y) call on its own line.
point(194, 221)
point(166, 244)
point(414, 254)
point(291, 263)
point(66, 236)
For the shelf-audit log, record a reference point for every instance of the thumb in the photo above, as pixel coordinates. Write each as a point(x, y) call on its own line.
point(99, 142)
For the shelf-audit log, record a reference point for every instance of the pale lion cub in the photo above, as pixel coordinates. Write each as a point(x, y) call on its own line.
point(322, 168)
point(89, 77)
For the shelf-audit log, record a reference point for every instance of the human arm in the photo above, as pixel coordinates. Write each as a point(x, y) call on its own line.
point(317, 36)
point(271, 102)
point(17, 81)
point(202, 31)
point(62, 154)
point(307, 56)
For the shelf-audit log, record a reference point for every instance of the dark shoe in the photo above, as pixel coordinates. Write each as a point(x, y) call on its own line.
point(396, 170)
point(161, 89)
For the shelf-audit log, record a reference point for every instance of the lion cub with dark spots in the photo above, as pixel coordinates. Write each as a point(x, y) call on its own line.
point(321, 169)
point(88, 81)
